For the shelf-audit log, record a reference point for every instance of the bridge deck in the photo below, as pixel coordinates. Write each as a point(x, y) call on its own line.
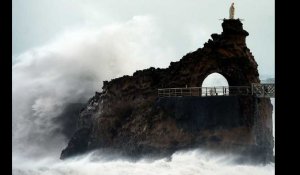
point(258, 90)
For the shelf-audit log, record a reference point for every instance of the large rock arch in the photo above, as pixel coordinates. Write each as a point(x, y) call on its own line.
point(226, 54)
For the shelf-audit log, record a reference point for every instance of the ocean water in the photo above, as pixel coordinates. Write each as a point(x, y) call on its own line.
point(192, 162)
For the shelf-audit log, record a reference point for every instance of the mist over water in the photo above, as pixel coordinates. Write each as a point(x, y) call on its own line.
point(182, 162)
point(70, 69)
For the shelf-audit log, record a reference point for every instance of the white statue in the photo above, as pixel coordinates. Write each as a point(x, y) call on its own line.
point(231, 11)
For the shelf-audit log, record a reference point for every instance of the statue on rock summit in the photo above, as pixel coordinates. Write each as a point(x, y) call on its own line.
point(231, 11)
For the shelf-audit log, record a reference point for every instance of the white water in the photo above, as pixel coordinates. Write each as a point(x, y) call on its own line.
point(69, 69)
point(192, 162)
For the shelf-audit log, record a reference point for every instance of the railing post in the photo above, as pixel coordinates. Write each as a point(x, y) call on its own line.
point(223, 90)
point(216, 94)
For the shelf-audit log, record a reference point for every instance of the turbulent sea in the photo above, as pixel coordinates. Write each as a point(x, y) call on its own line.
point(180, 163)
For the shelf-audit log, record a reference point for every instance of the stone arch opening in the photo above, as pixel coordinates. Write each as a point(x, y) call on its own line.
point(215, 80)
point(215, 84)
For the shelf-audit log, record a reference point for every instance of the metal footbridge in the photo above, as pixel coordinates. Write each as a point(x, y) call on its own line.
point(256, 89)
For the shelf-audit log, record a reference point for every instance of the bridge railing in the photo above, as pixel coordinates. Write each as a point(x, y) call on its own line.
point(205, 91)
point(258, 90)
point(263, 90)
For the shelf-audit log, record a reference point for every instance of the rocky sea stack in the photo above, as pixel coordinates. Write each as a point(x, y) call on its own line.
point(128, 116)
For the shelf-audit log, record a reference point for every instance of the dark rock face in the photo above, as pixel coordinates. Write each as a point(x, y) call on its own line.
point(127, 115)
point(78, 143)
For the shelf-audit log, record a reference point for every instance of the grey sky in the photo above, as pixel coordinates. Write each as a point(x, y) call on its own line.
point(185, 24)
